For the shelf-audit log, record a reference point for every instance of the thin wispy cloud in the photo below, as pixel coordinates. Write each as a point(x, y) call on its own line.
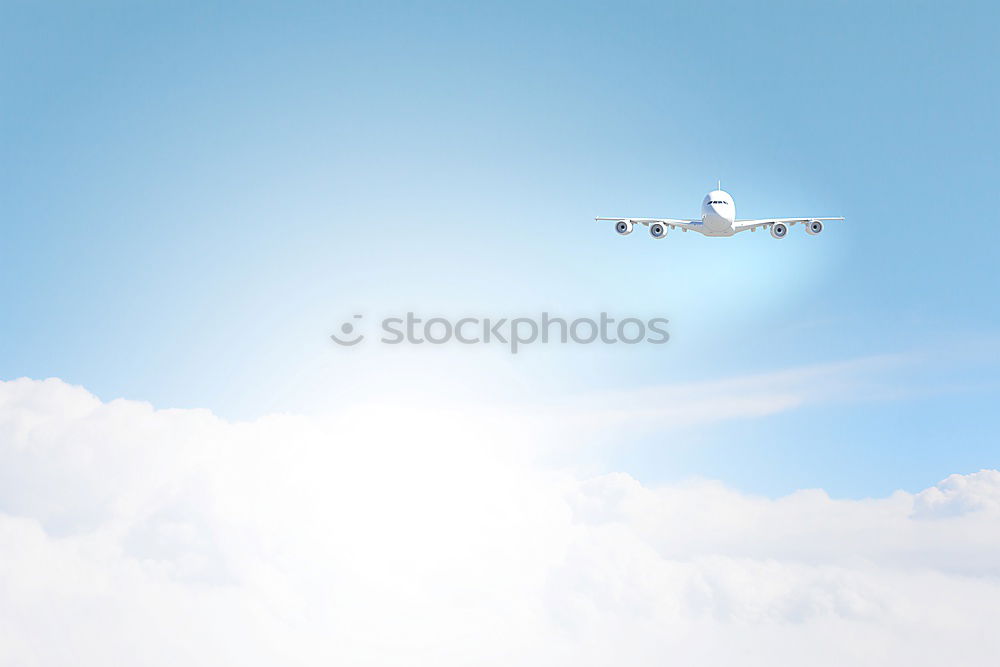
point(686, 404)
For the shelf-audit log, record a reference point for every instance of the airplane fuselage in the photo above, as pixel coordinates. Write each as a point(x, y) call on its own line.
point(718, 213)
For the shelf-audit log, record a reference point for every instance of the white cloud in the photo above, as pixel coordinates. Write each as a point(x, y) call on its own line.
point(686, 404)
point(389, 535)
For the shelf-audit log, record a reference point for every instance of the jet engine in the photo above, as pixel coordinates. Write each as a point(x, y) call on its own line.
point(814, 227)
point(779, 230)
point(657, 231)
point(623, 227)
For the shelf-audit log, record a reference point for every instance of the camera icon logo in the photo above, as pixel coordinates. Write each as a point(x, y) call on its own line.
point(347, 329)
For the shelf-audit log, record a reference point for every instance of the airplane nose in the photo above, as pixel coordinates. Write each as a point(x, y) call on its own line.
point(713, 218)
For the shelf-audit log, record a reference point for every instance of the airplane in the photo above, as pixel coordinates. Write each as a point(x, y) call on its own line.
point(718, 218)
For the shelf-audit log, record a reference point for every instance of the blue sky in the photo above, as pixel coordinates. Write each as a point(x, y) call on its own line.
point(195, 195)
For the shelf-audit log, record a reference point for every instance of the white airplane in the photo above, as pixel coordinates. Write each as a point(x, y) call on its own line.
point(718, 218)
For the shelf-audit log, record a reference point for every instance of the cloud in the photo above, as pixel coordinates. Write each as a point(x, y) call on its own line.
point(959, 495)
point(688, 404)
point(389, 535)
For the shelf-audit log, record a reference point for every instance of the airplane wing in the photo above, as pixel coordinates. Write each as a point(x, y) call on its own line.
point(672, 223)
point(744, 225)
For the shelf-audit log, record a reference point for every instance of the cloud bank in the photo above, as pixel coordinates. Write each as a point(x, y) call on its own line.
point(391, 536)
